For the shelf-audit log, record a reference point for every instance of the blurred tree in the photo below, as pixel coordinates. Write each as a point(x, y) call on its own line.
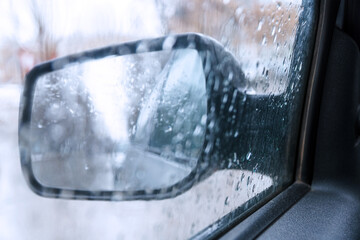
point(18, 54)
point(47, 44)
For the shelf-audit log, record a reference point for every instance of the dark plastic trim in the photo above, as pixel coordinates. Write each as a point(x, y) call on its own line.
point(327, 19)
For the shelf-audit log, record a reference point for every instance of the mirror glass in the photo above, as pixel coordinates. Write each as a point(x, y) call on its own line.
point(131, 122)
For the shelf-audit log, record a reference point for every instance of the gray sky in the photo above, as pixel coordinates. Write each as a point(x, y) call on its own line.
point(67, 17)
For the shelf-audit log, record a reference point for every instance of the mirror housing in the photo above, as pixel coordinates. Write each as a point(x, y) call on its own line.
point(224, 81)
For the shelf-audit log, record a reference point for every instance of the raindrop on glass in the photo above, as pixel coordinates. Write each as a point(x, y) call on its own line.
point(248, 156)
point(227, 201)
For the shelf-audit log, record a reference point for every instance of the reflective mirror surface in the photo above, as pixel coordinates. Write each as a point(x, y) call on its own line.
point(126, 123)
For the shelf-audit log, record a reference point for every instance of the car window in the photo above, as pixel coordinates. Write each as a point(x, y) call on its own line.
point(271, 40)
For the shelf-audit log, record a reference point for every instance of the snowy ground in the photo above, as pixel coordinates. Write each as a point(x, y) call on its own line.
point(24, 215)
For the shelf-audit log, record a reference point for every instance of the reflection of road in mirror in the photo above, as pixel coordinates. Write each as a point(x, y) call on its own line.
point(137, 169)
point(157, 100)
point(87, 116)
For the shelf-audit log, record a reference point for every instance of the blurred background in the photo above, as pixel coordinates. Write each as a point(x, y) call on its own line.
point(259, 33)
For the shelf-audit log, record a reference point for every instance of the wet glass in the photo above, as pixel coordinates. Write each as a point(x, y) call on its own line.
point(125, 123)
point(265, 36)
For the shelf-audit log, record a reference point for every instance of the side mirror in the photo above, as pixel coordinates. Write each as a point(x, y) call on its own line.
point(139, 120)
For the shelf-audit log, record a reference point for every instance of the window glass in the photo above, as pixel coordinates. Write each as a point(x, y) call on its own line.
point(272, 40)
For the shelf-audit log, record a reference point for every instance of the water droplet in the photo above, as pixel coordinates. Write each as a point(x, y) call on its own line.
point(203, 119)
point(275, 38)
point(244, 97)
point(169, 129)
point(227, 201)
point(238, 185)
point(197, 131)
point(248, 156)
point(239, 10)
point(264, 40)
point(255, 169)
point(208, 148)
point(40, 125)
point(261, 22)
point(225, 98)
point(211, 124)
point(133, 130)
point(242, 176)
point(273, 31)
point(231, 76)
point(217, 84)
